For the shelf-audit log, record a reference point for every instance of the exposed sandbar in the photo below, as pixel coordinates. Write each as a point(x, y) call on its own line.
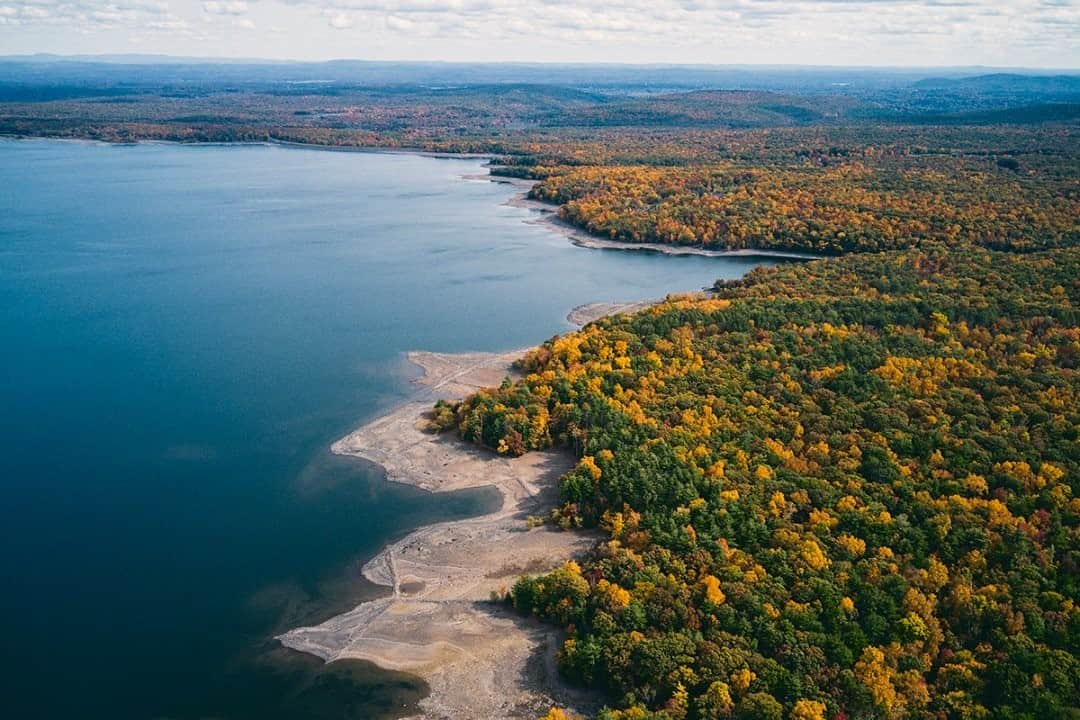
point(438, 622)
point(582, 315)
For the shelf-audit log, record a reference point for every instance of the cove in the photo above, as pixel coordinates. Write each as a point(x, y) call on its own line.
point(185, 330)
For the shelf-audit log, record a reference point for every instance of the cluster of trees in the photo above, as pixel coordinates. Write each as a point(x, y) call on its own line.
point(840, 489)
point(866, 204)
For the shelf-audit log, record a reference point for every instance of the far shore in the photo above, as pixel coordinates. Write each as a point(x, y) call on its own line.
point(548, 211)
point(271, 142)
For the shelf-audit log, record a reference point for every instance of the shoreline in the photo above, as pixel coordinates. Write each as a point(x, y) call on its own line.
point(479, 658)
point(548, 215)
point(585, 240)
point(270, 142)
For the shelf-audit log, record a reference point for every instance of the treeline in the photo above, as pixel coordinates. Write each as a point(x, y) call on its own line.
point(870, 203)
point(827, 190)
point(841, 489)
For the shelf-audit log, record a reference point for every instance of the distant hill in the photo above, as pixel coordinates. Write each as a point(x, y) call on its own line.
point(1005, 82)
point(151, 70)
point(458, 98)
point(733, 109)
point(1011, 114)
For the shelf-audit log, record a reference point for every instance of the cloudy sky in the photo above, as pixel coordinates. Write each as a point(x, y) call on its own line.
point(1033, 33)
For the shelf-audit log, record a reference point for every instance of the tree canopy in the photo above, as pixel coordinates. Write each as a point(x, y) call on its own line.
point(845, 488)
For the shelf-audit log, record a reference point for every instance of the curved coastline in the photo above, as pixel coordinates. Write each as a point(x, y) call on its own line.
point(271, 142)
point(438, 621)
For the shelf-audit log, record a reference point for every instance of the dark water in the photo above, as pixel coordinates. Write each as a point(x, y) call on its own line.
point(184, 330)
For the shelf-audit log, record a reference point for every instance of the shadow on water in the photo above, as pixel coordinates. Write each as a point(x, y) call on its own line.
point(265, 681)
point(343, 689)
point(281, 684)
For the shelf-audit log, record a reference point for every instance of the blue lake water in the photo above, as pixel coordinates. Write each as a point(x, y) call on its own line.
point(184, 330)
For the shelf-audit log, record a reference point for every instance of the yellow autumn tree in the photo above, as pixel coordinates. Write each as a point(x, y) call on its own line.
point(808, 710)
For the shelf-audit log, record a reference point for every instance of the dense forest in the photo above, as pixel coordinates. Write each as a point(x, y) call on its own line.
point(844, 489)
point(820, 188)
point(860, 204)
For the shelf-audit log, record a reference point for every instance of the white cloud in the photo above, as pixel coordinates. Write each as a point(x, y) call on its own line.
point(692, 19)
point(84, 14)
point(229, 7)
point(341, 21)
point(736, 31)
point(170, 22)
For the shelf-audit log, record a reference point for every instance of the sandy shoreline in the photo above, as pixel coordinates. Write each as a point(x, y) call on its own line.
point(479, 658)
point(585, 240)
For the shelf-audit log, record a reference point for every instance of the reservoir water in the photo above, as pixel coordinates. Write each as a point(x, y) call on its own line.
point(184, 330)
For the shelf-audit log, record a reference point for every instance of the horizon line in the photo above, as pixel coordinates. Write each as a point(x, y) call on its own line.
point(164, 58)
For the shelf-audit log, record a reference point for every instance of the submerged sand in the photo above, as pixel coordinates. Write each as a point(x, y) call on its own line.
point(438, 622)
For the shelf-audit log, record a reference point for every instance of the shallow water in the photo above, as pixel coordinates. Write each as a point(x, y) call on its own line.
point(184, 331)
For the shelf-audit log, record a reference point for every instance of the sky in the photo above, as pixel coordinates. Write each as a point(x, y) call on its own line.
point(998, 33)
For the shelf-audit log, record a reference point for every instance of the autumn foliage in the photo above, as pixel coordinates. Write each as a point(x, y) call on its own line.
point(867, 204)
point(846, 488)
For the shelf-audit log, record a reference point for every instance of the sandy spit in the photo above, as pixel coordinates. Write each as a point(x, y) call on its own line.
point(438, 622)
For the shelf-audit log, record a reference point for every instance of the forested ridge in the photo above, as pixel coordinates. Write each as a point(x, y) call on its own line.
point(841, 489)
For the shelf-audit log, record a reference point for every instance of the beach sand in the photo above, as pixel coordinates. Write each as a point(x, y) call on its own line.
point(479, 658)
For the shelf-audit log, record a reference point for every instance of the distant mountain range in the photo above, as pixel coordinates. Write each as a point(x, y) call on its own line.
point(1062, 82)
point(578, 94)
